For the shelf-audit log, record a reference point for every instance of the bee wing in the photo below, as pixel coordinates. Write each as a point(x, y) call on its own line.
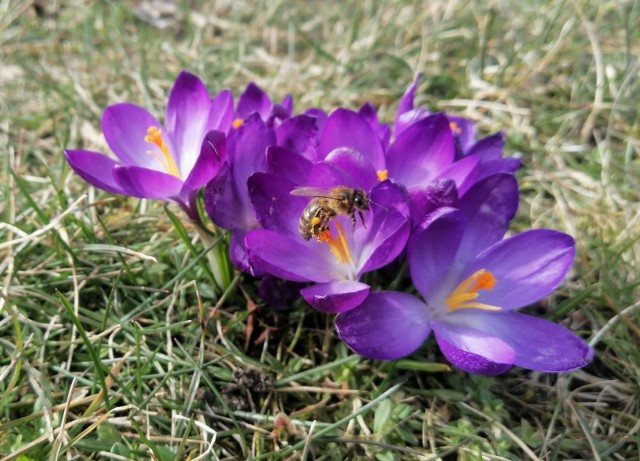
point(323, 192)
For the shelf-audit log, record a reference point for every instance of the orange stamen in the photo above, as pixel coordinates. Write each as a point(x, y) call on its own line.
point(455, 128)
point(237, 123)
point(337, 245)
point(463, 296)
point(154, 136)
point(382, 175)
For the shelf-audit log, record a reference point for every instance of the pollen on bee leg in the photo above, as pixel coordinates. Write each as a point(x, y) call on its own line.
point(315, 221)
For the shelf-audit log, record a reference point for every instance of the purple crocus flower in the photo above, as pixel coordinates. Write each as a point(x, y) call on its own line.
point(336, 262)
point(226, 197)
point(260, 126)
point(472, 282)
point(488, 151)
point(168, 163)
point(421, 154)
point(254, 100)
point(258, 123)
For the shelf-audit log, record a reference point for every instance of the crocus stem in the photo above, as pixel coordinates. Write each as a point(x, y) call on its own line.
point(218, 258)
point(400, 276)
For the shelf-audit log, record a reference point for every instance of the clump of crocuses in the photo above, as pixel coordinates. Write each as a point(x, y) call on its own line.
point(440, 199)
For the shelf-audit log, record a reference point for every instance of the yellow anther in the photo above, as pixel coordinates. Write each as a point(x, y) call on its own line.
point(455, 128)
point(463, 296)
point(485, 281)
point(237, 123)
point(154, 136)
point(338, 246)
point(382, 175)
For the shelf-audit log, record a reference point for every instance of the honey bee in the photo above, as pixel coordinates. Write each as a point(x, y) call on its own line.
point(327, 203)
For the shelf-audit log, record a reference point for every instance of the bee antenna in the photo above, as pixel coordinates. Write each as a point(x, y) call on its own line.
point(377, 204)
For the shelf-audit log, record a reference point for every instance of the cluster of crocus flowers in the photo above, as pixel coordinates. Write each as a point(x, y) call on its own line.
point(437, 197)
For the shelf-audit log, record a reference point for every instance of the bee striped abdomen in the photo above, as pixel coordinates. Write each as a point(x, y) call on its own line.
point(315, 218)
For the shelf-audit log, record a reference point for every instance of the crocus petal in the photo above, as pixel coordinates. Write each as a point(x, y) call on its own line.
point(388, 325)
point(368, 111)
point(287, 104)
point(405, 106)
point(386, 239)
point(238, 253)
point(217, 196)
point(526, 267)
point(355, 165)
point(209, 162)
point(254, 99)
point(488, 207)
point(300, 135)
point(410, 117)
point(320, 116)
point(186, 120)
point(463, 172)
point(439, 193)
point(221, 113)
point(502, 165)
point(489, 148)
point(94, 168)
point(283, 162)
point(490, 151)
point(389, 196)
point(246, 154)
point(346, 128)
point(143, 183)
point(335, 297)
point(406, 102)
point(288, 258)
point(464, 130)
point(247, 150)
point(125, 127)
point(382, 130)
point(276, 114)
point(421, 152)
point(432, 250)
point(539, 344)
point(325, 174)
point(473, 351)
point(188, 201)
point(275, 207)
point(387, 228)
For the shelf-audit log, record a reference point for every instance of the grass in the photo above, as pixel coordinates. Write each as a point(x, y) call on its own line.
point(113, 343)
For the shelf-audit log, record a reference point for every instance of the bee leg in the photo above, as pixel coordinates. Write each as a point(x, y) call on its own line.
point(353, 219)
point(361, 219)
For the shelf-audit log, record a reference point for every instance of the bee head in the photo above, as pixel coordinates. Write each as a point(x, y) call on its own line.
point(360, 200)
